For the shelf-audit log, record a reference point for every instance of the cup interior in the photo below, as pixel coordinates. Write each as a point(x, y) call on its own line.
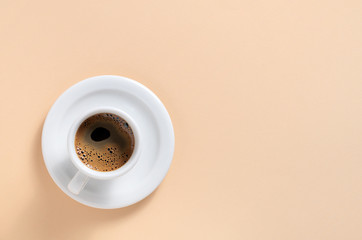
point(104, 174)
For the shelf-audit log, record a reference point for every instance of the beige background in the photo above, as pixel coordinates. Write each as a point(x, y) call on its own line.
point(265, 98)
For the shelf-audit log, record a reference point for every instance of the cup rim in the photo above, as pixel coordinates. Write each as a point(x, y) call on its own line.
point(97, 174)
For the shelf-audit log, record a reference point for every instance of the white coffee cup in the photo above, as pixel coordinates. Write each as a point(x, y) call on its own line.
point(81, 178)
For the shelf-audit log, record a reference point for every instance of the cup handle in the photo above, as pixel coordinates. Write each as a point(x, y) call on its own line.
point(78, 182)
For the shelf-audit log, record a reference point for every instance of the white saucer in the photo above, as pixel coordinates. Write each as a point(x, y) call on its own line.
point(154, 123)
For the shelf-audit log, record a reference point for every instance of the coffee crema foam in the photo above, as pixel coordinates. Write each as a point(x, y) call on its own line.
point(104, 142)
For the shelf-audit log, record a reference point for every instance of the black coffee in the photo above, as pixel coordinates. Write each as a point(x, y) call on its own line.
point(104, 142)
